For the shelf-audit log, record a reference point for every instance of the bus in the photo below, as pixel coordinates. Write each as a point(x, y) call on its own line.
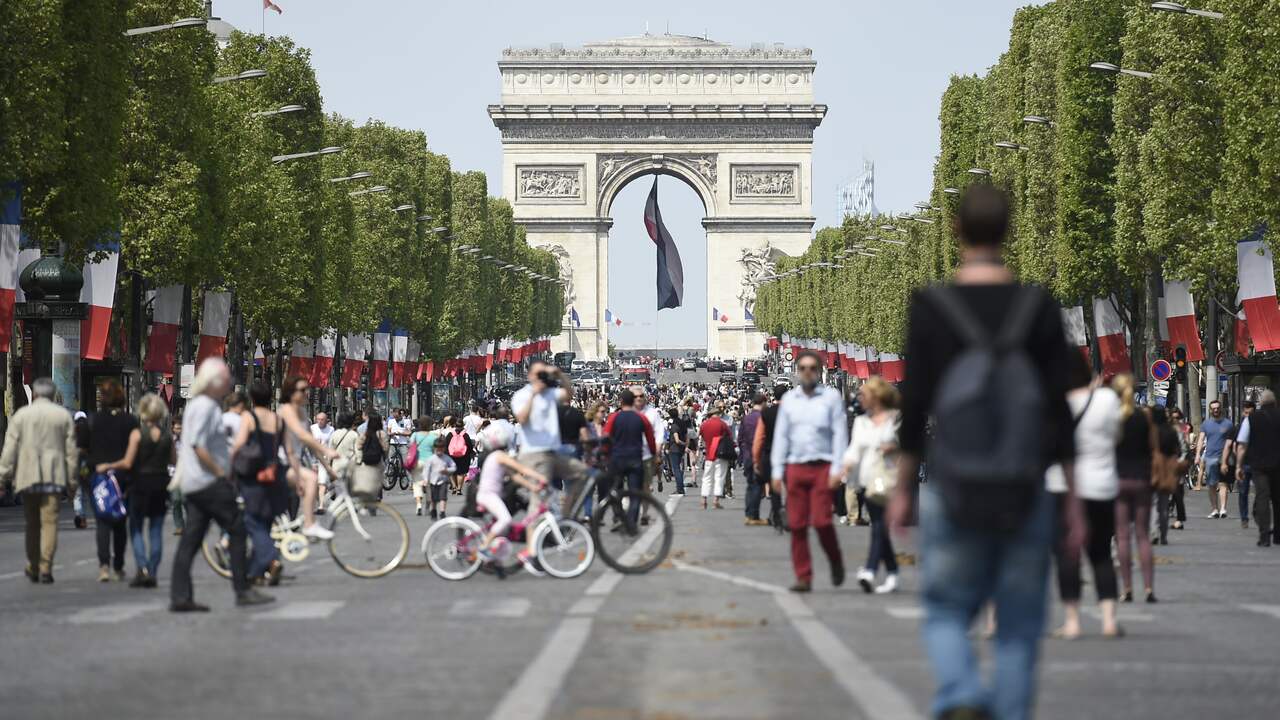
point(635, 375)
point(564, 361)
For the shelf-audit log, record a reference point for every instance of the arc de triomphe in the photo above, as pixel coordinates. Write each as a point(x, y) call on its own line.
point(735, 124)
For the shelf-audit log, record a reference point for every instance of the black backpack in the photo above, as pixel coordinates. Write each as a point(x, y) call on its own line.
point(989, 418)
point(371, 453)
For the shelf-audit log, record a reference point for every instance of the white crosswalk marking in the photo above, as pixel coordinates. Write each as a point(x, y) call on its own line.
point(1272, 610)
point(905, 612)
point(1121, 615)
point(301, 610)
point(112, 613)
point(491, 607)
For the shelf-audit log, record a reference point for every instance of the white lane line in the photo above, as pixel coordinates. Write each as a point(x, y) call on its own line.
point(84, 561)
point(1272, 610)
point(735, 579)
point(491, 607)
point(1121, 615)
point(112, 613)
point(531, 696)
point(905, 612)
point(876, 696)
point(301, 610)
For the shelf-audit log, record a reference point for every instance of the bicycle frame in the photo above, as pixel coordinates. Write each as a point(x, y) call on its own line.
point(344, 502)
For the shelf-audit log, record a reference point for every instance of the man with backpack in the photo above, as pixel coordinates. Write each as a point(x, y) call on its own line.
point(986, 360)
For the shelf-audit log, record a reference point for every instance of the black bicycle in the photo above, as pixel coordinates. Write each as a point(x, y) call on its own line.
point(394, 473)
point(631, 528)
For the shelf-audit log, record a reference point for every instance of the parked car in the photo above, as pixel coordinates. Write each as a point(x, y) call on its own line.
point(749, 379)
point(731, 364)
point(701, 362)
point(783, 380)
point(715, 366)
point(689, 365)
point(729, 378)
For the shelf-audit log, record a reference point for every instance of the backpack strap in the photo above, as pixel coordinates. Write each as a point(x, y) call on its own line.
point(953, 307)
point(1017, 324)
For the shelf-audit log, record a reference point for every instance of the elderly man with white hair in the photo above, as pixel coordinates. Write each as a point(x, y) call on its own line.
point(208, 494)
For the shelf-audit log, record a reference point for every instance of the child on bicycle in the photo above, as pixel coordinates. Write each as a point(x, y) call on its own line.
point(498, 467)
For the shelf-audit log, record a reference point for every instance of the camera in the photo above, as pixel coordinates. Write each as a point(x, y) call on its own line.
point(548, 379)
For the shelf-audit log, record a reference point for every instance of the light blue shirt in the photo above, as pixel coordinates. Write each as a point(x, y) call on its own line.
point(541, 432)
point(810, 428)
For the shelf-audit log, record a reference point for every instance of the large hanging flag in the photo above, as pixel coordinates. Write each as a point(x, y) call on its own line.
point(10, 239)
point(1258, 289)
point(670, 269)
point(1180, 318)
point(1111, 342)
point(213, 325)
point(322, 365)
point(381, 353)
point(166, 315)
point(99, 293)
point(355, 350)
point(302, 358)
point(1073, 327)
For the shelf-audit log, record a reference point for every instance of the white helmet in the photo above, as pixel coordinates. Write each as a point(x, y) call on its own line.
point(498, 436)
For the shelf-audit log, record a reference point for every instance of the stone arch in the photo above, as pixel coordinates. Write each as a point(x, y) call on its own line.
point(640, 166)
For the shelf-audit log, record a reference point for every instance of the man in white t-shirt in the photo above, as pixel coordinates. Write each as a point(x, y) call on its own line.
point(536, 409)
point(398, 427)
point(659, 424)
point(322, 430)
point(472, 422)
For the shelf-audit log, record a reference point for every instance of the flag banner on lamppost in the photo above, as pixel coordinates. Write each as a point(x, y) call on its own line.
point(302, 358)
point(413, 356)
point(10, 237)
point(399, 351)
point(1111, 342)
point(1258, 289)
point(1180, 319)
point(213, 326)
point(99, 293)
point(381, 354)
point(166, 316)
point(322, 365)
point(355, 350)
point(1074, 328)
point(670, 269)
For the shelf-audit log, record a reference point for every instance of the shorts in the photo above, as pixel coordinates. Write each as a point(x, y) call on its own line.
point(1213, 471)
point(440, 492)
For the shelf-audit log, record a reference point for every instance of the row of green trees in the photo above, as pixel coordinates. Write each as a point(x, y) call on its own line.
point(108, 133)
point(1132, 179)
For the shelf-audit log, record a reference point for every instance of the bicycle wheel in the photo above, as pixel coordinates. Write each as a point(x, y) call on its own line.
point(632, 547)
point(217, 551)
point(450, 547)
point(370, 542)
point(567, 559)
point(405, 479)
point(389, 477)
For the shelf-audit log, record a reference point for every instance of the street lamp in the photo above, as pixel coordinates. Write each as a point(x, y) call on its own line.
point(278, 111)
point(246, 75)
point(951, 190)
point(183, 23)
point(925, 220)
point(1008, 145)
point(1112, 69)
point(314, 153)
point(353, 176)
point(366, 191)
point(1181, 9)
point(892, 242)
point(1038, 120)
point(425, 218)
point(402, 208)
point(978, 171)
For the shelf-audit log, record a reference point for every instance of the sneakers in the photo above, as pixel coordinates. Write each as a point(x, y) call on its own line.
point(418, 512)
point(104, 573)
point(253, 597)
point(139, 580)
point(865, 579)
point(843, 520)
point(530, 563)
point(801, 586)
point(316, 532)
point(187, 606)
point(1213, 515)
point(889, 585)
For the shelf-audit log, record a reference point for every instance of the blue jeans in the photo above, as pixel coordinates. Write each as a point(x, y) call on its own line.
point(962, 570)
point(675, 461)
point(147, 555)
point(264, 549)
point(632, 472)
point(1242, 487)
point(881, 548)
point(755, 490)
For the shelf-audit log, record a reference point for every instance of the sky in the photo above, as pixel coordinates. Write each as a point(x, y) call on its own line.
point(431, 65)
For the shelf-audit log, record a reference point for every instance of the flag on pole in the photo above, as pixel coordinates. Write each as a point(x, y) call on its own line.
point(356, 349)
point(573, 317)
point(302, 358)
point(1111, 343)
point(608, 316)
point(99, 293)
point(166, 314)
point(1074, 328)
point(1180, 317)
point(213, 325)
point(1258, 289)
point(268, 5)
point(411, 361)
point(747, 314)
point(892, 367)
point(399, 351)
point(381, 353)
point(10, 255)
point(322, 365)
point(670, 269)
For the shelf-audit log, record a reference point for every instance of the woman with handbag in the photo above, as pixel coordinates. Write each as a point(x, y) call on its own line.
point(373, 446)
point(261, 479)
point(109, 433)
point(872, 453)
point(149, 455)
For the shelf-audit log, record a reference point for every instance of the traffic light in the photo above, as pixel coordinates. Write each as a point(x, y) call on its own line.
point(1180, 364)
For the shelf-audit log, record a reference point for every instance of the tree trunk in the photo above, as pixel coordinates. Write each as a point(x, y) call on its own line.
point(1151, 332)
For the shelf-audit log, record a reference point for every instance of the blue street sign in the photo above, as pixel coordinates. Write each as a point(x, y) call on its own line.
point(1161, 370)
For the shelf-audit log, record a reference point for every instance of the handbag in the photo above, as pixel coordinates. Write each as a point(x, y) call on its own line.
point(411, 457)
point(882, 479)
point(108, 499)
point(250, 459)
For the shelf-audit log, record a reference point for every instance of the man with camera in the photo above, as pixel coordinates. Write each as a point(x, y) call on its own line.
point(536, 408)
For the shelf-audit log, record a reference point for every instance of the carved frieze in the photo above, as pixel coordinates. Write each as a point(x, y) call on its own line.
point(766, 182)
point(549, 184)
point(610, 164)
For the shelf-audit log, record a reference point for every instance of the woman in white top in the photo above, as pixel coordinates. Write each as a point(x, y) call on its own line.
point(872, 452)
point(1096, 410)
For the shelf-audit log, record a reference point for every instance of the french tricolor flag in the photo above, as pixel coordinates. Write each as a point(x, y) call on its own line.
point(166, 315)
point(10, 267)
point(1258, 290)
point(412, 363)
point(892, 367)
point(862, 362)
point(873, 362)
point(1074, 328)
point(381, 353)
point(357, 349)
point(99, 293)
point(213, 325)
point(399, 351)
point(302, 358)
point(1180, 316)
point(1111, 343)
point(322, 365)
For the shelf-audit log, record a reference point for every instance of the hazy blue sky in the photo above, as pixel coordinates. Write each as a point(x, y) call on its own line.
point(432, 65)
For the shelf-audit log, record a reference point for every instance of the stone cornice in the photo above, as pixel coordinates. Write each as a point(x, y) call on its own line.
point(704, 56)
point(734, 111)
point(567, 224)
point(759, 224)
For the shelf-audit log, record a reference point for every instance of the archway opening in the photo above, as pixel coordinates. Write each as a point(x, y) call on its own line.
point(633, 269)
